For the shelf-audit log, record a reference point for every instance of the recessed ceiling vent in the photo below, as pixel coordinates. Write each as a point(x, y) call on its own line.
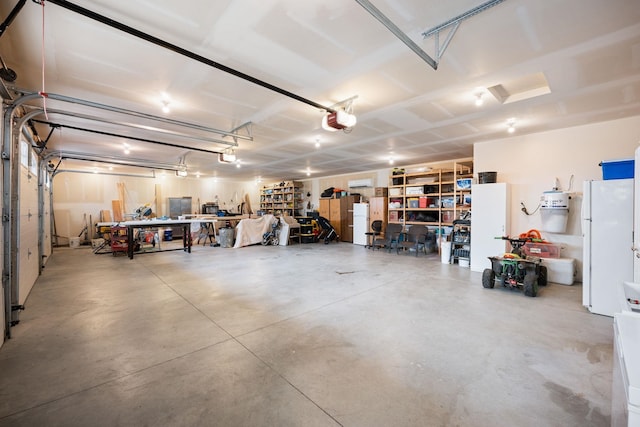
point(520, 89)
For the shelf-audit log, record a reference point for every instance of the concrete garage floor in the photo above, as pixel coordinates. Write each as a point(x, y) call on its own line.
point(303, 335)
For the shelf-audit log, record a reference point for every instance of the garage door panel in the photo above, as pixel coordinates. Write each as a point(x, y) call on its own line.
point(28, 263)
point(46, 220)
point(28, 191)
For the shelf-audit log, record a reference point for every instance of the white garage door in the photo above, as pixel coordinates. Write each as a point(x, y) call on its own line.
point(46, 221)
point(28, 263)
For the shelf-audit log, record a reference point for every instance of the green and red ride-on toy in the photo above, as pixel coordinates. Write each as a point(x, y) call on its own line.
point(515, 270)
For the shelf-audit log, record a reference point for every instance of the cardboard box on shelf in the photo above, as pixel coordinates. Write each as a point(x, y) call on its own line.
point(380, 192)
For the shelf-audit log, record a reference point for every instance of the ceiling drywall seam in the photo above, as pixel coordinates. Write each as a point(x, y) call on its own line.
point(184, 52)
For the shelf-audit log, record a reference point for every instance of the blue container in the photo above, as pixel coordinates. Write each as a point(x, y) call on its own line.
point(617, 169)
point(168, 235)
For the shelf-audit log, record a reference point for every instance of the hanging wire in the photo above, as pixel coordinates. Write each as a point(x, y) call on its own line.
point(43, 93)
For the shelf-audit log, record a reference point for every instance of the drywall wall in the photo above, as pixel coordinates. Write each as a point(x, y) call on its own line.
point(78, 197)
point(531, 164)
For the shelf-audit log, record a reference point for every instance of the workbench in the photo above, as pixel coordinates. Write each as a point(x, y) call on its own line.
point(131, 226)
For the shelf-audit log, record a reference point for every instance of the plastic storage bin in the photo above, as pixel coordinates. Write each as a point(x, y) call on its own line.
point(414, 190)
point(464, 183)
point(617, 169)
point(542, 250)
point(560, 270)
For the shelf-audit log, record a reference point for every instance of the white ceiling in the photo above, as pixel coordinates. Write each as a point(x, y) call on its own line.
point(587, 52)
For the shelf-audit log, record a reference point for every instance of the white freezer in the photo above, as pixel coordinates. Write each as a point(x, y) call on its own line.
point(607, 226)
point(490, 219)
point(360, 223)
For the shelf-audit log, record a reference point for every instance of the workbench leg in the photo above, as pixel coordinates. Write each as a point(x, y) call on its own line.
point(130, 245)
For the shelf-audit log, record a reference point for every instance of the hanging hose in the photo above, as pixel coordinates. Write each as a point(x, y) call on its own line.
point(534, 235)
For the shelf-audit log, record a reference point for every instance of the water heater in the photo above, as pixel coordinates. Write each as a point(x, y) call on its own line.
point(554, 210)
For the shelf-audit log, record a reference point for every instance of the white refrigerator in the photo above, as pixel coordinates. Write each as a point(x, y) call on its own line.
point(489, 219)
point(607, 227)
point(360, 223)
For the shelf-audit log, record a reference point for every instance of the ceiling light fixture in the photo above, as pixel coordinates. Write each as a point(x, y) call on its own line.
point(318, 142)
point(308, 172)
point(479, 100)
point(165, 106)
point(511, 125)
point(227, 156)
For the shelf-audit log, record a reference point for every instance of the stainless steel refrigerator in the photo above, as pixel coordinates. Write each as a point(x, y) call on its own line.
point(607, 227)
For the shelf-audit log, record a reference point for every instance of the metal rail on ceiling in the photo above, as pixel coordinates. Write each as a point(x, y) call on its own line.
point(133, 138)
point(125, 111)
point(136, 126)
point(12, 15)
point(140, 163)
point(384, 20)
point(455, 24)
point(184, 52)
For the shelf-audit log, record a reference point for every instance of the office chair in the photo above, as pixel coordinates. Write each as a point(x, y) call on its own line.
point(376, 230)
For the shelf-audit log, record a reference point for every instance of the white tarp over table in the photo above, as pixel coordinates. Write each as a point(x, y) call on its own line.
point(249, 231)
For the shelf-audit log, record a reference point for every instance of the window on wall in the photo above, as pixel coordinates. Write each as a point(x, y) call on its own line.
point(24, 153)
point(47, 181)
point(33, 162)
point(28, 157)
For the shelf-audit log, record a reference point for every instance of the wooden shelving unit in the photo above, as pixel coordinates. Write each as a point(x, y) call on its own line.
point(284, 198)
point(432, 197)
